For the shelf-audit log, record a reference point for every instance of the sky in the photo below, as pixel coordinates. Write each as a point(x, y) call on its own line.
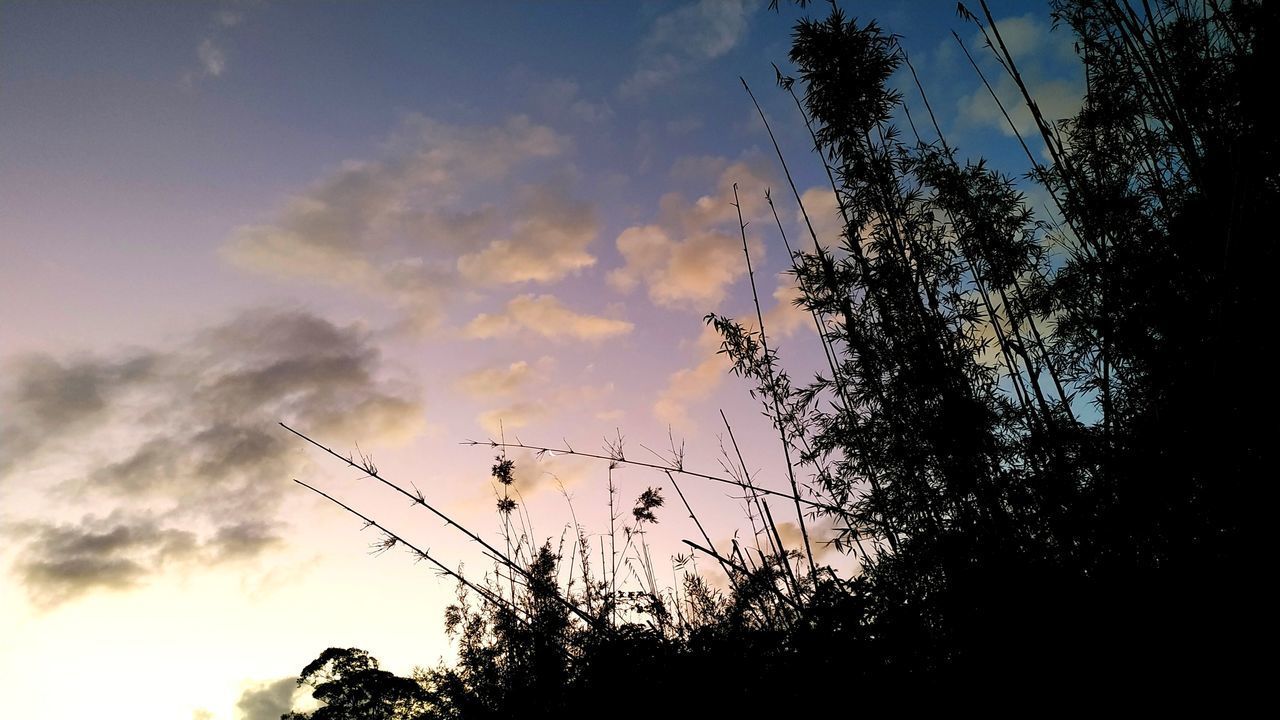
point(396, 227)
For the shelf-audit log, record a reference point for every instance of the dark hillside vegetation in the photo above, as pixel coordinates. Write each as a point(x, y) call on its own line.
point(1045, 437)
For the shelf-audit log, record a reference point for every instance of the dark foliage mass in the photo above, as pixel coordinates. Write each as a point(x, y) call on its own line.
point(1043, 436)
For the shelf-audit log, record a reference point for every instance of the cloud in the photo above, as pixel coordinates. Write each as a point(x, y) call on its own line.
point(501, 380)
point(48, 397)
point(1029, 36)
point(694, 254)
point(693, 272)
point(62, 561)
point(242, 540)
point(397, 228)
point(184, 437)
point(1048, 65)
point(1057, 100)
point(684, 39)
point(549, 238)
point(268, 700)
point(821, 533)
point(534, 473)
point(228, 389)
point(227, 18)
point(538, 401)
point(500, 421)
point(210, 53)
point(212, 59)
point(694, 384)
point(786, 317)
point(562, 98)
point(684, 125)
point(521, 394)
point(613, 416)
point(547, 317)
point(823, 209)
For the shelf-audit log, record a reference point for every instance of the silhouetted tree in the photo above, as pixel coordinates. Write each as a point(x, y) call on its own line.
point(1026, 419)
point(350, 686)
point(1046, 438)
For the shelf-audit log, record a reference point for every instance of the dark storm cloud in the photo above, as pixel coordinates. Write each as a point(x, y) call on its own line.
point(202, 447)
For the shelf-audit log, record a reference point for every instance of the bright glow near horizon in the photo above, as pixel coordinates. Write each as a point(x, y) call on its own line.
point(394, 225)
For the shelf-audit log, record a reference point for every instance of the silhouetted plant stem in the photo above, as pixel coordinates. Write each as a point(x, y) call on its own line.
point(640, 463)
point(775, 540)
point(613, 548)
point(859, 255)
point(702, 531)
point(418, 552)
point(779, 420)
point(781, 595)
point(421, 501)
point(1036, 166)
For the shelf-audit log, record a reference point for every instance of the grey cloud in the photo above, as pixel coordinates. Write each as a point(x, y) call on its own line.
point(63, 561)
point(227, 391)
point(243, 540)
point(267, 701)
point(50, 396)
point(203, 449)
point(821, 533)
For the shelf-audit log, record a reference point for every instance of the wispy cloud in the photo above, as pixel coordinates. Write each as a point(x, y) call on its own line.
point(684, 39)
point(210, 52)
point(562, 98)
point(212, 58)
point(1047, 63)
point(228, 18)
point(501, 421)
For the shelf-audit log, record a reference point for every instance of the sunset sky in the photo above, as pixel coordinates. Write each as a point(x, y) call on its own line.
point(393, 225)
